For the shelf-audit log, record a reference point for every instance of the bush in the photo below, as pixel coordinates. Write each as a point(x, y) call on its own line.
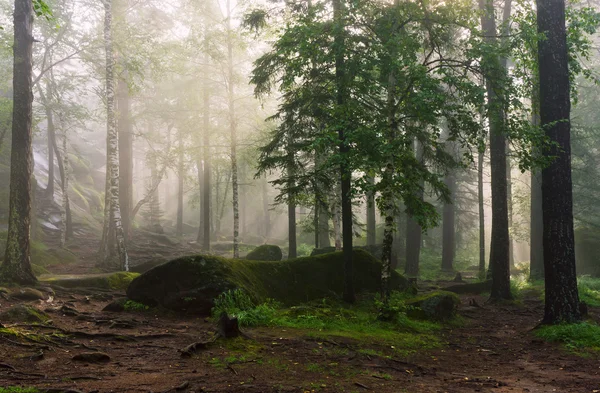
point(577, 336)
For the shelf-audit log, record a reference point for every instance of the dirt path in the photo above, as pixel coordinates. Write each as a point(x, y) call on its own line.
point(494, 352)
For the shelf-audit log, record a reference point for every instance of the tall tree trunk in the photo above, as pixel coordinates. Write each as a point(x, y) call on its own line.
point(480, 197)
point(494, 74)
point(536, 252)
point(337, 232)
point(371, 211)
point(449, 225)
point(293, 250)
point(17, 259)
point(233, 131)
point(562, 297)
point(113, 251)
point(324, 238)
point(265, 201)
point(207, 186)
point(125, 130)
point(345, 172)
point(511, 246)
point(51, 131)
point(180, 178)
point(66, 209)
point(400, 241)
point(414, 233)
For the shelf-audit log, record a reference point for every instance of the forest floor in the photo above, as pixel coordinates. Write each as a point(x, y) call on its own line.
point(492, 349)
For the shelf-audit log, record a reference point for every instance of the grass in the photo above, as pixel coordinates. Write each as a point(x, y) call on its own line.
point(332, 319)
point(577, 337)
point(589, 290)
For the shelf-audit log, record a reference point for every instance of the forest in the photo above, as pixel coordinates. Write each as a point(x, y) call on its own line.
point(299, 196)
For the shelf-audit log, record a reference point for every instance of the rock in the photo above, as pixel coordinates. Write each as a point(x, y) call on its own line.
point(458, 277)
point(92, 357)
point(474, 288)
point(437, 306)
point(192, 283)
point(116, 306)
point(27, 294)
point(23, 314)
point(266, 252)
point(119, 280)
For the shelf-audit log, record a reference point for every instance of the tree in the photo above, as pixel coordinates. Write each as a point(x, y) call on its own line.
point(561, 295)
point(494, 74)
point(113, 250)
point(17, 259)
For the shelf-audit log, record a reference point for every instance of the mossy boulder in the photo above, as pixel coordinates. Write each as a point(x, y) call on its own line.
point(192, 283)
point(266, 252)
point(119, 280)
point(375, 250)
point(27, 294)
point(437, 306)
point(23, 314)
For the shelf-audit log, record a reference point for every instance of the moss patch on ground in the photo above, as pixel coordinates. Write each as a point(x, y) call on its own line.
point(266, 252)
point(578, 337)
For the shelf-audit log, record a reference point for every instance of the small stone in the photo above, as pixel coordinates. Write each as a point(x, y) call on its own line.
point(92, 357)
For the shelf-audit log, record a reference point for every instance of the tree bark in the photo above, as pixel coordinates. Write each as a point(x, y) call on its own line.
point(292, 246)
point(414, 234)
point(125, 130)
point(180, 178)
point(536, 230)
point(266, 215)
point(511, 246)
point(562, 297)
point(345, 172)
point(113, 251)
point(233, 131)
point(67, 226)
point(17, 259)
point(480, 197)
point(449, 225)
point(206, 186)
point(494, 74)
point(51, 131)
point(371, 211)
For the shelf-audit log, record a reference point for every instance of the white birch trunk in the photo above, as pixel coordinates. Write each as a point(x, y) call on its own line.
point(65, 191)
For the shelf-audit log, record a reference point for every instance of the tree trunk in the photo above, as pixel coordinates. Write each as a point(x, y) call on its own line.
point(562, 297)
point(17, 259)
point(51, 131)
point(480, 197)
point(233, 131)
point(511, 246)
point(345, 172)
point(536, 230)
point(414, 234)
point(66, 209)
point(399, 241)
point(371, 211)
point(180, 178)
point(449, 225)
point(125, 154)
point(499, 252)
point(206, 195)
point(113, 251)
point(265, 201)
point(292, 253)
point(324, 238)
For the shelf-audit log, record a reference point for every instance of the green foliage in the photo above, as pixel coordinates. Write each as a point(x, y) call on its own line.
point(42, 9)
point(130, 305)
point(576, 337)
point(589, 290)
point(238, 304)
point(18, 389)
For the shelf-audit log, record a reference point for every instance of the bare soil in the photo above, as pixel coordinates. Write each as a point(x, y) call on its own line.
point(495, 351)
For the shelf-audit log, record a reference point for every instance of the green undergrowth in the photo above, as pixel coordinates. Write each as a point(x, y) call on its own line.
point(589, 289)
point(18, 389)
point(133, 306)
point(430, 265)
point(580, 337)
point(331, 318)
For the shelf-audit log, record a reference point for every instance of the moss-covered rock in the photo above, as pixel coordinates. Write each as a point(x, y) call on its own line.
point(375, 250)
point(437, 306)
point(27, 294)
point(266, 252)
point(23, 314)
point(119, 280)
point(192, 283)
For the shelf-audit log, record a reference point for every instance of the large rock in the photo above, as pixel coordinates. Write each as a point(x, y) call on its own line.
point(266, 252)
point(118, 280)
point(192, 283)
point(437, 306)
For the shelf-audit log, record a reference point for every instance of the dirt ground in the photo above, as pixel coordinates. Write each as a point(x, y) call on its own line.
point(494, 351)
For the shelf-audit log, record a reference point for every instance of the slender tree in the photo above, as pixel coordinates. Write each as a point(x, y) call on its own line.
point(113, 250)
point(480, 199)
point(371, 211)
point(562, 297)
point(17, 259)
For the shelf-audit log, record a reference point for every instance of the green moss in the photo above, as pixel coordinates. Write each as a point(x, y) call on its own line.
point(130, 305)
point(23, 313)
point(266, 252)
point(121, 280)
point(18, 389)
point(575, 337)
point(437, 305)
point(39, 270)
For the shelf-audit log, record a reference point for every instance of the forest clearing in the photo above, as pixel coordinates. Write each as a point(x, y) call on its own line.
point(299, 196)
